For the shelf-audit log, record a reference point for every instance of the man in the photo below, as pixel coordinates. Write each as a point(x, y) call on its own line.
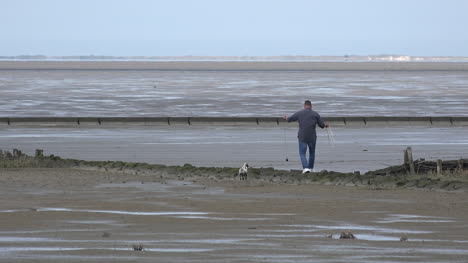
point(307, 135)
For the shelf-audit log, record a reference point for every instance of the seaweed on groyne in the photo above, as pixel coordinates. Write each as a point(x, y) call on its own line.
point(444, 175)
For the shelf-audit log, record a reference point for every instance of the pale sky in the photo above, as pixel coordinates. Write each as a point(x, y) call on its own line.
point(234, 27)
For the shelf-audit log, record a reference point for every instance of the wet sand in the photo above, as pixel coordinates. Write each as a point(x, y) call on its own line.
point(357, 148)
point(57, 215)
point(149, 93)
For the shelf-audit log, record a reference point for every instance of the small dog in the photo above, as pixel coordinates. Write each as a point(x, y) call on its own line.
point(243, 171)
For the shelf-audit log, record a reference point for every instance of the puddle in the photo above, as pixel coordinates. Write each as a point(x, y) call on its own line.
point(345, 249)
point(182, 215)
point(393, 251)
point(180, 250)
point(365, 237)
point(359, 236)
point(50, 231)
point(270, 214)
point(373, 237)
point(224, 218)
point(120, 212)
point(284, 235)
point(291, 230)
point(47, 249)
point(278, 258)
point(16, 210)
point(364, 228)
point(214, 241)
point(93, 222)
point(26, 249)
point(413, 221)
point(25, 239)
point(403, 218)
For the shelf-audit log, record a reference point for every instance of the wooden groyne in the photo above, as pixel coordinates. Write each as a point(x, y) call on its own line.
point(423, 166)
point(441, 175)
point(228, 121)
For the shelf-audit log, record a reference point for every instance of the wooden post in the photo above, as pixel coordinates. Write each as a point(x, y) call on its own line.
point(405, 157)
point(16, 153)
point(439, 166)
point(39, 153)
point(460, 165)
point(8, 156)
point(405, 160)
point(409, 153)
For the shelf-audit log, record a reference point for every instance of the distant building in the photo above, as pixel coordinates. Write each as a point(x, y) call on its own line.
point(389, 58)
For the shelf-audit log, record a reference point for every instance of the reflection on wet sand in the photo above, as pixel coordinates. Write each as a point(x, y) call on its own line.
point(247, 221)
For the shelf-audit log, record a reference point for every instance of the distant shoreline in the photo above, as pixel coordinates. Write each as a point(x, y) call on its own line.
point(234, 65)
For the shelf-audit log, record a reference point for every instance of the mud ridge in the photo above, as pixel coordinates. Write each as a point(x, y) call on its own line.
point(453, 176)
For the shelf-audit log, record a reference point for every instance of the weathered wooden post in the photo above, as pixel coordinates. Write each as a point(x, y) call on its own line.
point(405, 158)
point(8, 155)
point(439, 166)
point(460, 165)
point(408, 158)
point(17, 153)
point(39, 153)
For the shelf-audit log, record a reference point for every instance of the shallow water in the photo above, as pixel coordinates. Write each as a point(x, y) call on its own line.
point(58, 249)
point(120, 212)
point(355, 148)
point(398, 218)
point(358, 227)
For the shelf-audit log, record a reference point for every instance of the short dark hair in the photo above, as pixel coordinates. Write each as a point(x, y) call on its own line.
point(307, 103)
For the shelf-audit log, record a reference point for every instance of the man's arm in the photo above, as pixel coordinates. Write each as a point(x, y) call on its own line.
point(321, 123)
point(294, 117)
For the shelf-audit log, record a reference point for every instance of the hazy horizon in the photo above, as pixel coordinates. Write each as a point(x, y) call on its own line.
point(240, 28)
point(214, 56)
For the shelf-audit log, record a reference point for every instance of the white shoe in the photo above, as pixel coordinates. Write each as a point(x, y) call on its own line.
point(306, 170)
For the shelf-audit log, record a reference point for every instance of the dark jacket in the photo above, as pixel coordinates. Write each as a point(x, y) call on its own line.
point(307, 119)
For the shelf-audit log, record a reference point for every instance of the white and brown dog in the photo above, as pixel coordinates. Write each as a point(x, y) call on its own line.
point(243, 171)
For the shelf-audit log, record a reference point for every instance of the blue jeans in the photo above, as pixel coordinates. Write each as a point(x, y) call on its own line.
point(302, 153)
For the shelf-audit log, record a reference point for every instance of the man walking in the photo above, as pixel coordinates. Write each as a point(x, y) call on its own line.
point(307, 135)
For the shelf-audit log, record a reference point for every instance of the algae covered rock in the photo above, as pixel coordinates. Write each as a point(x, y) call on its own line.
point(347, 235)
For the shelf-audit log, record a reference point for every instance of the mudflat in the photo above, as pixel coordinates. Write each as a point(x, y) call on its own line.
point(89, 89)
point(231, 65)
point(76, 215)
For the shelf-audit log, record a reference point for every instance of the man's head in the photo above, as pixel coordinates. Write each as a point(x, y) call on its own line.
point(307, 104)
